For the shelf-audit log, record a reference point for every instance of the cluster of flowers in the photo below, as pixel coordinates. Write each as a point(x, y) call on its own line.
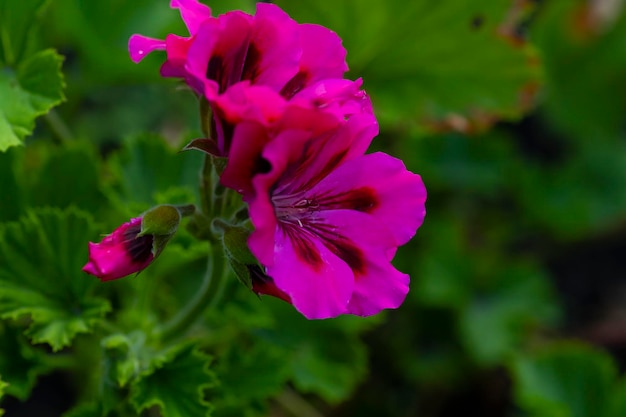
point(327, 217)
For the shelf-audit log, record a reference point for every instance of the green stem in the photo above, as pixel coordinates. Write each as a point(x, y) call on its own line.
point(206, 187)
point(292, 402)
point(58, 126)
point(206, 297)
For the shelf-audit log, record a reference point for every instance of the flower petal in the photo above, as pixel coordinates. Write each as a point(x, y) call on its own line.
point(139, 46)
point(274, 52)
point(317, 291)
point(363, 243)
point(192, 12)
point(328, 150)
point(397, 195)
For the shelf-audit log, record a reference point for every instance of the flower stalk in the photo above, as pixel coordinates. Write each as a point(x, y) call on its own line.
point(207, 296)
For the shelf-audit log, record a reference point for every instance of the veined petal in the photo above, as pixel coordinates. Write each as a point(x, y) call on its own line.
point(139, 46)
point(276, 157)
point(325, 152)
point(317, 290)
point(218, 52)
point(362, 242)
point(274, 52)
point(396, 196)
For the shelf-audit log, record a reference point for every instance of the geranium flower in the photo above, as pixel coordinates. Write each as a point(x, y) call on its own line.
point(327, 218)
point(268, 48)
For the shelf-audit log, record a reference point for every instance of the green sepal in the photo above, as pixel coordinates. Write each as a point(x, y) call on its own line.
point(235, 244)
point(160, 221)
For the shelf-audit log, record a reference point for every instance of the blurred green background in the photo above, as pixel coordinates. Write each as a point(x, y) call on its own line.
point(513, 112)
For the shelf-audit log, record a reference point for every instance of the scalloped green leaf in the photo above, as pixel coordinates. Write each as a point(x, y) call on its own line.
point(567, 380)
point(20, 363)
point(444, 64)
point(41, 258)
point(175, 383)
point(18, 20)
point(248, 376)
point(26, 92)
point(325, 357)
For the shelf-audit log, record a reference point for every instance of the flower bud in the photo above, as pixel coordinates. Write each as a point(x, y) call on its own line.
point(133, 245)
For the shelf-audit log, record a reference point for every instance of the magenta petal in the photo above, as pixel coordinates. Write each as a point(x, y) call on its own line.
point(276, 154)
point(121, 253)
point(248, 140)
point(325, 152)
point(382, 288)
point(340, 97)
point(323, 55)
point(400, 195)
point(317, 293)
point(274, 52)
point(139, 46)
point(192, 12)
point(363, 243)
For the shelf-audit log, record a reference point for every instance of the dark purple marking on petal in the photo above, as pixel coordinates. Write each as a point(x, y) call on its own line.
point(346, 250)
point(362, 199)
point(251, 65)
point(303, 246)
point(297, 83)
point(309, 154)
point(343, 247)
point(262, 166)
point(215, 72)
point(139, 248)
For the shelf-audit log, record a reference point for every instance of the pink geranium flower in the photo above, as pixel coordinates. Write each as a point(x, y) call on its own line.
point(327, 218)
point(121, 253)
point(268, 48)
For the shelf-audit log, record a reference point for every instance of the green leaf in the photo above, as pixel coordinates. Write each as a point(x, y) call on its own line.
point(147, 167)
point(425, 61)
point(41, 257)
point(326, 357)
point(175, 383)
point(567, 380)
point(248, 375)
point(76, 165)
point(20, 363)
point(18, 20)
point(11, 197)
point(31, 90)
point(494, 325)
point(571, 34)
